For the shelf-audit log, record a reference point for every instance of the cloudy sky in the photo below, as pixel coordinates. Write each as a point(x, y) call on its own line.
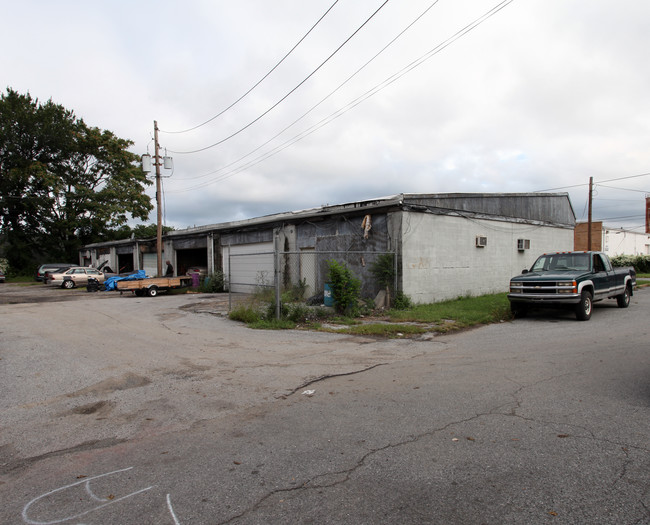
point(423, 97)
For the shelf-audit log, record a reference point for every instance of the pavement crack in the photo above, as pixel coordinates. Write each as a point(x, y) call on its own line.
point(21, 463)
point(329, 376)
point(339, 477)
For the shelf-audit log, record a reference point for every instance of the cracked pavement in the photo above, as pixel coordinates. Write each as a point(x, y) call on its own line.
point(176, 415)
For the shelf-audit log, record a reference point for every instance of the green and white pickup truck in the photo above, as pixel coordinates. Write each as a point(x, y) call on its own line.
point(577, 279)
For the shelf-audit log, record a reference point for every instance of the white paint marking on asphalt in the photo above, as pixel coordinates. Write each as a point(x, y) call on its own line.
point(92, 494)
point(171, 510)
point(26, 518)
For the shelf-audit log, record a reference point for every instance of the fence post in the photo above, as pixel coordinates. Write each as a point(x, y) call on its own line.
point(229, 278)
point(276, 264)
point(395, 274)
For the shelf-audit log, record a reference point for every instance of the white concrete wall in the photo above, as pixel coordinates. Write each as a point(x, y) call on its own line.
point(441, 260)
point(623, 242)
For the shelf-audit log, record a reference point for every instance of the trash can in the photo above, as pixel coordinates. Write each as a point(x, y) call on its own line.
point(93, 285)
point(328, 298)
point(195, 279)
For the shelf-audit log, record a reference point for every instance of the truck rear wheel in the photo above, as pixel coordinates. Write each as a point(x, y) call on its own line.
point(623, 300)
point(585, 306)
point(152, 291)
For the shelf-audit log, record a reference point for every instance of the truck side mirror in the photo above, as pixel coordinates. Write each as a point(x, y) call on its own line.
point(525, 270)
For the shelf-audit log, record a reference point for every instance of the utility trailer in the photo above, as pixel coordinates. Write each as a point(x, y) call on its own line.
point(152, 286)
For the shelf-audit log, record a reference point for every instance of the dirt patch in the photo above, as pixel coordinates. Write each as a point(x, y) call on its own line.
point(99, 408)
point(112, 384)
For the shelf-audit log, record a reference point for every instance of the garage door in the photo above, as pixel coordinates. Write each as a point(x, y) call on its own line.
point(248, 266)
point(150, 264)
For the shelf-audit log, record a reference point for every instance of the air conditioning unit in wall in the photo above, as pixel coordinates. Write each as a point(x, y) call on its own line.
point(481, 241)
point(523, 244)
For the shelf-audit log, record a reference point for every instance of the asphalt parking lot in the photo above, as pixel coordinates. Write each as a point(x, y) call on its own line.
point(118, 409)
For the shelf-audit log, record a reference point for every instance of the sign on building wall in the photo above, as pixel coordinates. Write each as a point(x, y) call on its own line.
point(647, 214)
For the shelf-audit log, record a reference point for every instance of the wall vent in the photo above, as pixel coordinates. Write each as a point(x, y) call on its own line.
point(481, 241)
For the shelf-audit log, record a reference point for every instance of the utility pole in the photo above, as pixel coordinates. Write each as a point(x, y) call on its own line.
point(158, 197)
point(591, 194)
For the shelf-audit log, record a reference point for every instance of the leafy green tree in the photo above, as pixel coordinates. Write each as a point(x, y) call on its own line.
point(140, 231)
point(62, 183)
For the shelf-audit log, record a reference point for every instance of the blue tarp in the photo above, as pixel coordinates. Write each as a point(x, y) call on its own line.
point(109, 284)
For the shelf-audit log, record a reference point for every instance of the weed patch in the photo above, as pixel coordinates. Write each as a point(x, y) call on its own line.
point(464, 311)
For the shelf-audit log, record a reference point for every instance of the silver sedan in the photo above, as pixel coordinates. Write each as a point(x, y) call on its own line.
point(75, 276)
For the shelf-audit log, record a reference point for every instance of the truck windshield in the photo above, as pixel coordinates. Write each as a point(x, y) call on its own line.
point(561, 262)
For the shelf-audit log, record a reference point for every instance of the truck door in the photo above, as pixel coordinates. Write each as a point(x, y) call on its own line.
point(601, 278)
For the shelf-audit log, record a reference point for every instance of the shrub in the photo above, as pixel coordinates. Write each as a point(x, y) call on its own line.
point(402, 301)
point(641, 263)
point(270, 311)
point(299, 313)
point(246, 314)
point(384, 270)
point(213, 283)
point(346, 288)
point(296, 292)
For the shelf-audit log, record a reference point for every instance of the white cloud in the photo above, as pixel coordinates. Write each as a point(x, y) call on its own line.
point(542, 95)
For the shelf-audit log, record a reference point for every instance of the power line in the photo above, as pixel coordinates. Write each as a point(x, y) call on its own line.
point(596, 182)
point(623, 178)
point(260, 80)
point(623, 189)
point(621, 218)
point(323, 99)
point(289, 93)
point(377, 88)
point(563, 188)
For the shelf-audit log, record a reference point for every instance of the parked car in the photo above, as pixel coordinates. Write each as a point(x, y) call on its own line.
point(106, 270)
point(2, 276)
point(40, 273)
point(75, 276)
point(50, 271)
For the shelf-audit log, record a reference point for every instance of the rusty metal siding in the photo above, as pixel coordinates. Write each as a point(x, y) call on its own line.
point(549, 208)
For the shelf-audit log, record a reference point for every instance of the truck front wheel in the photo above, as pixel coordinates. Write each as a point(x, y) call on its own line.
point(585, 306)
point(518, 310)
point(623, 300)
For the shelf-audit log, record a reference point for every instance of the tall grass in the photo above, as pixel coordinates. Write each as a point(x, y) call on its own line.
point(464, 311)
point(444, 316)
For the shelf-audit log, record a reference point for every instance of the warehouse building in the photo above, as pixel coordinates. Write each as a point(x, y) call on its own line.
point(444, 245)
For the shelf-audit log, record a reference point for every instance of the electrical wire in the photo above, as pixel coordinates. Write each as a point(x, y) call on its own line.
point(310, 110)
point(352, 104)
point(260, 80)
point(600, 182)
point(622, 189)
point(289, 93)
point(621, 218)
point(562, 188)
point(623, 178)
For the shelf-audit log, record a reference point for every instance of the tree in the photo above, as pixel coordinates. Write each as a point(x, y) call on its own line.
point(63, 183)
point(139, 231)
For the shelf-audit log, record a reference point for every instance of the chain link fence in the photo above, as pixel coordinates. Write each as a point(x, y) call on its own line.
point(302, 276)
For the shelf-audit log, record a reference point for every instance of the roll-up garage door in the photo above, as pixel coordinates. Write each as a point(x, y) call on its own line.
point(150, 264)
point(248, 266)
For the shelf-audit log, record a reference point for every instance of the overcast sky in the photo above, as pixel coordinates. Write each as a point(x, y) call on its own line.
point(539, 96)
